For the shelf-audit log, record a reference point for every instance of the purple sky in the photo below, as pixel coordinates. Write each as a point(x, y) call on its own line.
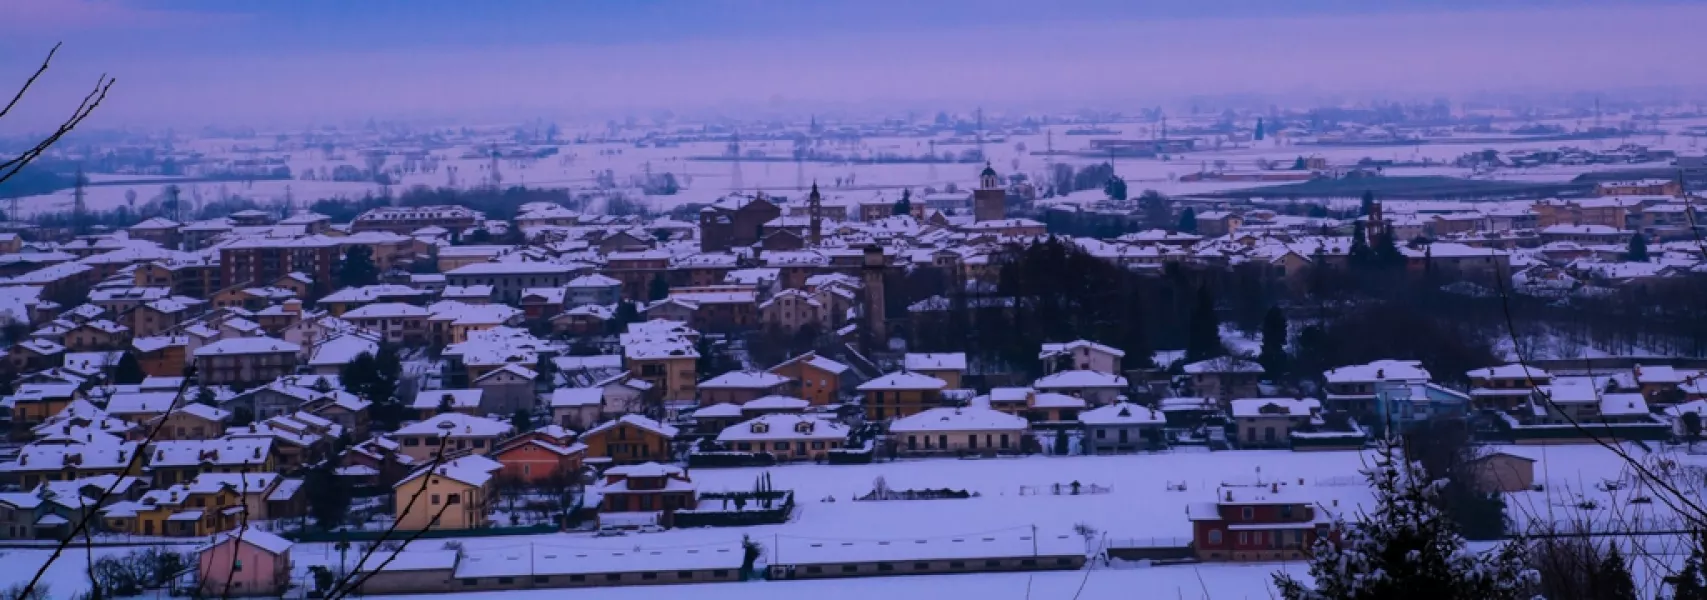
point(196, 62)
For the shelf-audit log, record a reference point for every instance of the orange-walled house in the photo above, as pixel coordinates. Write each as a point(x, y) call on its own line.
point(820, 378)
point(536, 456)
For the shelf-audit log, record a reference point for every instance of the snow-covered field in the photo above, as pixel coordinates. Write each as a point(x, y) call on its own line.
point(1139, 505)
point(704, 181)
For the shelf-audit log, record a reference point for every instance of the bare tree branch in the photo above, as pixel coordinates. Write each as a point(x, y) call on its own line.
point(91, 101)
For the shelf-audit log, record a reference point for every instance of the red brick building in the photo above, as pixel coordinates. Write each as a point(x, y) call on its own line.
point(646, 488)
point(1256, 523)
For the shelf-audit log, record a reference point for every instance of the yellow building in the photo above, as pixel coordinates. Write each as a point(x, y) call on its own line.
point(452, 496)
point(670, 368)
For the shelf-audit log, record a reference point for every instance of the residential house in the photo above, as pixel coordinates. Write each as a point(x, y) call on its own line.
point(456, 433)
point(1223, 378)
point(947, 366)
point(629, 439)
point(244, 562)
point(650, 488)
point(193, 421)
point(737, 387)
point(454, 495)
point(246, 360)
point(1351, 389)
point(1264, 522)
point(1081, 355)
point(820, 379)
point(959, 431)
point(901, 394)
point(1121, 427)
point(1096, 387)
point(577, 408)
point(1505, 388)
point(593, 289)
point(508, 389)
point(785, 436)
point(537, 456)
point(1268, 422)
point(395, 322)
point(431, 402)
point(181, 461)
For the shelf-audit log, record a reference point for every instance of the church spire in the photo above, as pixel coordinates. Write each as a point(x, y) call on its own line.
point(815, 209)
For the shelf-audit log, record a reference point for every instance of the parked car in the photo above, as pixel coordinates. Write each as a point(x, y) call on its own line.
point(609, 531)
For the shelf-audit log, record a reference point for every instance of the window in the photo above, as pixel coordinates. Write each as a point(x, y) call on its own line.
point(1215, 537)
point(613, 577)
point(411, 442)
point(1063, 562)
point(921, 566)
point(956, 565)
point(435, 499)
point(577, 578)
point(648, 576)
point(992, 563)
point(1004, 441)
point(1102, 433)
point(720, 573)
point(1247, 513)
point(1028, 562)
point(850, 568)
point(885, 567)
point(506, 580)
point(817, 445)
point(1244, 538)
point(542, 579)
point(684, 574)
point(470, 582)
point(1286, 511)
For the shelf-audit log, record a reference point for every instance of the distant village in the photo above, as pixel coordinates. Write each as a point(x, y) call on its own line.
point(273, 376)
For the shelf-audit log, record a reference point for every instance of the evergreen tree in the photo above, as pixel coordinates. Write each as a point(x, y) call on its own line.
point(1691, 427)
point(1688, 583)
point(330, 502)
point(205, 395)
point(1259, 132)
point(626, 312)
point(1273, 355)
point(1386, 251)
point(522, 421)
point(1405, 549)
point(128, 371)
point(1299, 165)
point(1115, 187)
point(1368, 204)
point(1203, 340)
point(445, 405)
point(1613, 580)
point(242, 416)
point(357, 268)
point(659, 289)
point(1188, 220)
point(1638, 250)
point(1062, 447)
point(904, 206)
point(1359, 254)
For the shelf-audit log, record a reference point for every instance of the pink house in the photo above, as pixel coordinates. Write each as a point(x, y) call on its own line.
point(262, 567)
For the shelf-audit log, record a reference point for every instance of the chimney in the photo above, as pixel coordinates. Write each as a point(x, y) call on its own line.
point(1274, 488)
point(1229, 495)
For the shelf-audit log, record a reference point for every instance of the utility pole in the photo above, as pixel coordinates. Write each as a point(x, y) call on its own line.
point(735, 168)
point(1034, 540)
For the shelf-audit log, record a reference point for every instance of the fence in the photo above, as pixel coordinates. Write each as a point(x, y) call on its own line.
point(399, 535)
point(777, 510)
point(703, 460)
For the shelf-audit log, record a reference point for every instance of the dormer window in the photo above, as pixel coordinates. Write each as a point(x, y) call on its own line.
point(761, 428)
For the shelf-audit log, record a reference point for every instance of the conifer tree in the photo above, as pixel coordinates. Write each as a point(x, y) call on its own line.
point(1405, 549)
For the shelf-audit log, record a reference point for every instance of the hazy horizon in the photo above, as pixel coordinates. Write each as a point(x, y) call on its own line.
point(199, 62)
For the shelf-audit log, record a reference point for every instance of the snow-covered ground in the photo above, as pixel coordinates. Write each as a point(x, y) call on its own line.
point(703, 181)
point(1140, 505)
